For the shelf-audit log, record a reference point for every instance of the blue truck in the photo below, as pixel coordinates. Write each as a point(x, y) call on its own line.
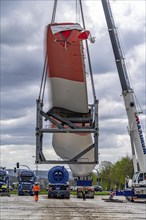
point(4, 182)
point(26, 180)
point(85, 185)
point(58, 186)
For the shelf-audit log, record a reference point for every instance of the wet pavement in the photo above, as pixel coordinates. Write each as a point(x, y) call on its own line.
point(25, 208)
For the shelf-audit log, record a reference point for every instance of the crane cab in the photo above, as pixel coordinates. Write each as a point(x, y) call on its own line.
point(139, 179)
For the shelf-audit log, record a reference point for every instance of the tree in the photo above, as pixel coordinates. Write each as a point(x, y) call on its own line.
point(105, 174)
point(113, 175)
point(120, 170)
point(94, 178)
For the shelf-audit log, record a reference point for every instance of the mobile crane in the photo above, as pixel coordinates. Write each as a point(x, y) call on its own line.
point(138, 187)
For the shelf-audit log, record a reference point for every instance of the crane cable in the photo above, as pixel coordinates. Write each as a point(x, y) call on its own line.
point(44, 75)
point(43, 81)
point(88, 54)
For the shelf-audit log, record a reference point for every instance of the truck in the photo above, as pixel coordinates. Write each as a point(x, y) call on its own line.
point(58, 186)
point(26, 180)
point(136, 188)
point(4, 182)
point(84, 184)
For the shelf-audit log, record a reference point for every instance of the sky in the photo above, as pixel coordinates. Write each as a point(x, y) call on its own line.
point(23, 26)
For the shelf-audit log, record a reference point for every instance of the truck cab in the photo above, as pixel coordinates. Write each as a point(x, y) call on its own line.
point(26, 179)
point(4, 179)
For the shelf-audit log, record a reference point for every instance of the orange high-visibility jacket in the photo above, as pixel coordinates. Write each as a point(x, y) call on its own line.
point(36, 188)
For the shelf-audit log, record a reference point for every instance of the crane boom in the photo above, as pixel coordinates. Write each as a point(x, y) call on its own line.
point(128, 94)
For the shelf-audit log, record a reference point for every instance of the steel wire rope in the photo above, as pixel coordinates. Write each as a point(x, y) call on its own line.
point(41, 93)
point(114, 15)
point(122, 51)
point(76, 10)
point(140, 111)
point(130, 79)
point(44, 75)
point(88, 54)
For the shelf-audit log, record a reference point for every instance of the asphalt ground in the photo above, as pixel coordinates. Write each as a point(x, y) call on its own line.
point(25, 208)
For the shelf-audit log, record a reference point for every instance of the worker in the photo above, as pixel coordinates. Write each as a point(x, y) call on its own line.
point(83, 194)
point(36, 190)
point(126, 181)
point(112, 194)
point(4, 188)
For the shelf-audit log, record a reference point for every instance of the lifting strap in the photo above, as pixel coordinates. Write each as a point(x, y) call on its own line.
point(89, 61)
point(44, 75)
point(54, 11)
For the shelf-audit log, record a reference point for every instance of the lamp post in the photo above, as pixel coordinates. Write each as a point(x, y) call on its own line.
point(18, 165)
point(98, 179)
point(36, 167)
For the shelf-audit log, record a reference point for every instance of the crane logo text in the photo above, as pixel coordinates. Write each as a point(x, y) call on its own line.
point(140, 134)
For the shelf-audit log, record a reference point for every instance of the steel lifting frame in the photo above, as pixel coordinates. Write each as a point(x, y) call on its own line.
point(65, 121)
point(65, 124)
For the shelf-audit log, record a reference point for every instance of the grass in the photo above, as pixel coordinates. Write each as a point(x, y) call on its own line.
point(103, 193)
point(43, 192)
point(72, 192)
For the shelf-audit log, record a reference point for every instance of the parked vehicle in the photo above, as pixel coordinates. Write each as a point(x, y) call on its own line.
point(4, 182)
point(85, 185)
point(26, 180)
point(98, 188)
point(58, 186)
